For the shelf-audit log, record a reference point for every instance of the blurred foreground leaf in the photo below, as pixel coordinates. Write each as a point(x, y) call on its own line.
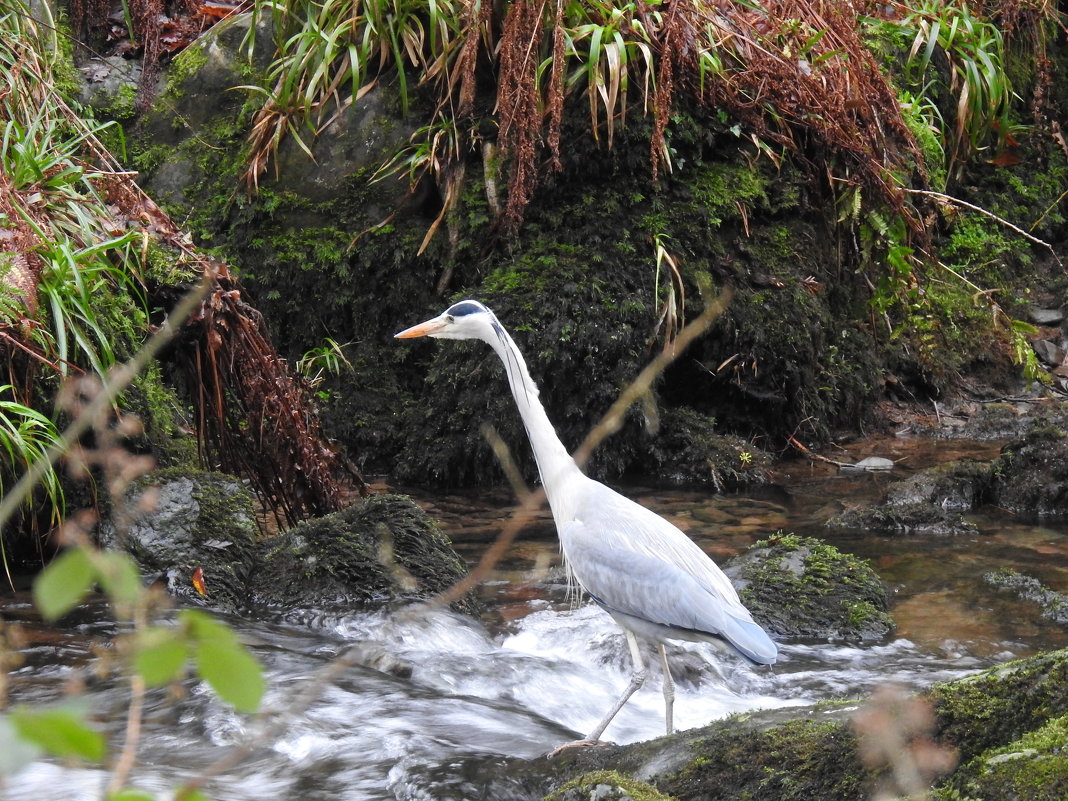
point(16, 752)
point(63, 584)
point(160, 655)
point(120, 578)
point(223, 662)
point(61, 731)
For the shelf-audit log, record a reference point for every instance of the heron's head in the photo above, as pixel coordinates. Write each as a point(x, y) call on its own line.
point(467, 319)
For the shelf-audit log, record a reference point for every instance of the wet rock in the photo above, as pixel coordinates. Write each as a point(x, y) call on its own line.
point(1049, 352)
point(1031, 475)
point(931, 501)
point(177, 520)
point(802, 586)
point(1054, 605)
point(872, 464)
point(1007, 724)
point(379, 549)
point(382, 548)
point(1045, 316)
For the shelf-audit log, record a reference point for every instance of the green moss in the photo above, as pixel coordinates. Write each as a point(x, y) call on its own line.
point(184, 66)
point(720, 187)
point(1034, 767)
point(998, 706)
point(801, 585)
point(607, 784)
point(158, 408)
point(795, 761)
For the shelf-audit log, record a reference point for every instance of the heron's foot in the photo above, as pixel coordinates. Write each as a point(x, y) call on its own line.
point(586, 742)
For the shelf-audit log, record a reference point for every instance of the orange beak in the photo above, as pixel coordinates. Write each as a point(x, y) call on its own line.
point(421, 330)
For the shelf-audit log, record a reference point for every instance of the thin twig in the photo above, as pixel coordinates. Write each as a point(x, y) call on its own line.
point(958, 202)
point(128, 757)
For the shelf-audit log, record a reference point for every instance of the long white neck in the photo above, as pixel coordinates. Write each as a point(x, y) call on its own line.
point(554, 462)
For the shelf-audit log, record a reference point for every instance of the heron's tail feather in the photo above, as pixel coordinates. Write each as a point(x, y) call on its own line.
point(749, 639)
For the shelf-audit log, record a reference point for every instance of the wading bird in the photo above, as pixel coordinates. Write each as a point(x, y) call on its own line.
point(649, 576)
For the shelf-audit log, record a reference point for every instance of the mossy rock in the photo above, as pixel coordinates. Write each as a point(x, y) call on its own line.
point(381, 548)
point(1052, 605)
point(994, 708)
point(689, 450)
point(796, 760)
point(190, 519)
point(804, 587)
point(1031, 475)
point(1034, 767)
point(931, 501)
point(607, 785)
point(1015, 713)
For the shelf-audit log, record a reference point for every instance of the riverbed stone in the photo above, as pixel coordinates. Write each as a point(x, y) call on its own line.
point(802, 586)
point(931, 501)
point(177, 520)
point(1045, 316)
point(380, 549)
point(1031, 475)
point(1052, 605)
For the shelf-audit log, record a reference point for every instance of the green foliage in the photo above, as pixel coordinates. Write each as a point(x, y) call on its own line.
point(979, 82)
point(154, 654)
point(26, 436)
point(60, 731)
point(64, 584)
point(221, 660)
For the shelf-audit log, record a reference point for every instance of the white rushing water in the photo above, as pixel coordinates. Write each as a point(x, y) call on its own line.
point(436, 687)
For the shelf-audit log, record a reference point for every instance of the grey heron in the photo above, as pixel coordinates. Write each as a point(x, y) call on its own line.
point(651, 578)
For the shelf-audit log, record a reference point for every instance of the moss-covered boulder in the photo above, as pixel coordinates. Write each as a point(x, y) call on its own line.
point(1034, 767)
point(689, 450)
point(379, 549)
point(176, 520)
point(1006, 724)
point(1031, 475)
point(802, 586)
point(997, 707)
point(931, 501)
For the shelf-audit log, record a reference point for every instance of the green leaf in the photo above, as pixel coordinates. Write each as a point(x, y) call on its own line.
point(63, 584)
point(223, 662)
point(159, 656)
point(233, 673)
point(61, 731)
point(131, 795)
point(120, 578)
point(202, 627)
point(15, 751)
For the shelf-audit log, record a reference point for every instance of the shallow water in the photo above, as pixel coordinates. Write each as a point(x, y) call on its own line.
point(429, 690)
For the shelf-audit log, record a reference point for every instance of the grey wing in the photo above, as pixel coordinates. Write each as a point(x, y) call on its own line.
point(649, 588)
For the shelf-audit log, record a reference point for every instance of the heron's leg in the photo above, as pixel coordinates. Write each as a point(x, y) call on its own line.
point(637, 679)
point(669, 690)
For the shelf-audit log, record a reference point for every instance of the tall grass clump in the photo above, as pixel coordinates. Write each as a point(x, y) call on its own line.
point(71, 296)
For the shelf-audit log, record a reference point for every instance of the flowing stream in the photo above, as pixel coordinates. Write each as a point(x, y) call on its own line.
point(420, 692)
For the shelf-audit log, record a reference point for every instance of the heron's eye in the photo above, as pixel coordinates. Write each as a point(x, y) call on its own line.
point(449, 318)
